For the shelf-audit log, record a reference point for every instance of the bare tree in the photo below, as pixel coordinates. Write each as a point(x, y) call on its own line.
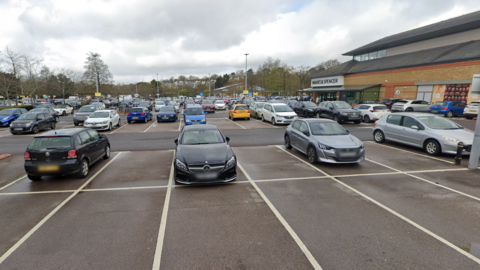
point(96, 71)
point(9, 71)
point(31, 68)
point(302, 73)
point(67, 79)
point(327, 64)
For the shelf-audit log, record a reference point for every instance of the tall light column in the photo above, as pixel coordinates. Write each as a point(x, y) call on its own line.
point(209, 81)
point(158, 93)
point(246, 71)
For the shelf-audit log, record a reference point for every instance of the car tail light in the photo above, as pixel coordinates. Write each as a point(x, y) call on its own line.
point(234, 111)
point(27, 156)
point(430, 107)
point(128, 113)
point(72, 154)
point(373, 111)
point(374, 124)
point(389, 104)
point(444, 109)
point(143, 113)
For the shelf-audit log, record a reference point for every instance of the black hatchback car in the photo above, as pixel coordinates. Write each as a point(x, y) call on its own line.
point(32, 122)
point(338, 111)
point(203, 156)
point(65, 151)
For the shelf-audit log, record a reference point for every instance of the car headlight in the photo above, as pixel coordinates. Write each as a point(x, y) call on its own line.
point(450, 139)
point(344, 114)
point(172, 115)
point(104, 122)
point(324, 147)
point(203, 120)
point(230, 162)
point(361, 147)
point(278, 116)
point(28, 124)
point(181, 165)
point(187, 120)
point(6, 118)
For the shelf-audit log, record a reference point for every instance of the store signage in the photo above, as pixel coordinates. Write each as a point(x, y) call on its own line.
point(328, 81)
point(476, 84)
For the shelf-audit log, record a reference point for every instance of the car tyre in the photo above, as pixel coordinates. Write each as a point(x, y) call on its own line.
point(337, 119)
point(248, 118)
point(357, 122)
point(432, 147)
point(146, 119)
point(378, 136)
point(312, 155)
point(119, 122)
point(53, 126)
point(34, 178)
point(84, 169)
point(409, 110)
point(469, 117)
point(366, 119)
point(449, 114)
point(64, 113)
point(273, 121)
point(35, 129)
point(287, 142)
point(263, 119)
point(76, 124)
point(107, 152)
point(110, 127)
point(128, 121)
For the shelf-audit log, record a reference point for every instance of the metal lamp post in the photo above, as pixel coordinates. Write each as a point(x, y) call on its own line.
point(246, 71)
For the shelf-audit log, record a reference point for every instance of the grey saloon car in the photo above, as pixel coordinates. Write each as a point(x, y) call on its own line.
point(325, 141)
point(432, 133)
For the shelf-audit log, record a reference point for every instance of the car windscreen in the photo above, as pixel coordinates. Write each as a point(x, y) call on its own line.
point(6, 112)
point(173, 103)
point(282, 109)
point(210, 136)
point(160, 102)
point(219, 102)
point(190, 102)
point(27, 116)
point(88, 109)
point(241, 108)
point(39, 110)
point(435, 122)
point(136, 110)
point(206, 102)
point(61, 106)
point(194, 111)
point(260, 105)
point(50, 143)
point(327, 129)
point(341, 105)
point(167, 109)
point(309, 104)
point(440, 104)
point(100, 115)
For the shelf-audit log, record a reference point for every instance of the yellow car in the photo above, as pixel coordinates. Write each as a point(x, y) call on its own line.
point(239, 111)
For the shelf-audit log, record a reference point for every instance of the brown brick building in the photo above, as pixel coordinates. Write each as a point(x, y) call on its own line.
point(432, 63)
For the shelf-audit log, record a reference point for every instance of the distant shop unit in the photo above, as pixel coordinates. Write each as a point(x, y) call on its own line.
point(432, 63)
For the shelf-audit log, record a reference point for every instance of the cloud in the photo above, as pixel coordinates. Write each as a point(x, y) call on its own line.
point(139, 39)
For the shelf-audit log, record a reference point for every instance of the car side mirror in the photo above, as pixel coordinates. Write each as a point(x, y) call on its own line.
point(306, 133)
point(415, 127)
point(347, 131)
point(176, 141)
point(206, 112)
point(183, 113)
point(227, 139)
point(330, 108)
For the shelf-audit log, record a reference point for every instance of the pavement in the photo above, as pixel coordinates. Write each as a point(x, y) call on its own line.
point(399, 209)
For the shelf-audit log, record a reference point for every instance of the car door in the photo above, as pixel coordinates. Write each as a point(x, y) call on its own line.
point(41, 122)
point(98, 147)
point(329, 110)
point(114, 117)
point(393, 127)
point(303, 139)
point(49, 120)
point(410, 134)
point(266, 112)
point(87, 146)
point(295, 133)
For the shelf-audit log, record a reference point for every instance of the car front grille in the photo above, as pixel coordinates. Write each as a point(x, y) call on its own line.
point(1, 123)
point(289, 117)
point(212, 168)
point(347, 153)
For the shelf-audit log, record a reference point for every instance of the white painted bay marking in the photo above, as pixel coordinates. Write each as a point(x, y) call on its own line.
point(430, 157)
point(294, 235)
point(13, 182)
point(45, 219)
point(118, 129)
point(163, 221)
point(180, 124)
point(411, 222)
point(154, 123)
point(235, 123)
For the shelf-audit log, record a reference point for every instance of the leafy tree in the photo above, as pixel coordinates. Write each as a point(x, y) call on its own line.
point(222, 81)
point(96, 70)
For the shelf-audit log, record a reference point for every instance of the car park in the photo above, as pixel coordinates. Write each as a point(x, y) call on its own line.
point(325, 141)
point(208, 106)
point(139, 114)
point(167, 113)
point(7, 116)
point(278, 113)
point(48, 110)
point(194, 114)
point(256, 109)
point(338, 111)
point(32, 122)
point(278, 101)
point(83, 113)
point(188, 103)
point(175, 105)
point(103, 120)
point(389, 102)
point(372, 112)
point(65, 151)
point(410, 106)
point(145, 104)
point(448, 108)
point(220, 105)
point(76, 104)
point(434, 134)
point(203, 156)
point(305, 108)
point(239, 111)
point(471, 110)
point(63, 109)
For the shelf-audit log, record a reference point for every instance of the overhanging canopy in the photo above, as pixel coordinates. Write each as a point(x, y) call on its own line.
point(340, 88)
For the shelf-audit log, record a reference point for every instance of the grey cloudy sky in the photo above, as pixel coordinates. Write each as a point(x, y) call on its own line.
point(141, 38)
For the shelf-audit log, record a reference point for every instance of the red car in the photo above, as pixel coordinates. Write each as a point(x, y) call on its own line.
point(208, 106)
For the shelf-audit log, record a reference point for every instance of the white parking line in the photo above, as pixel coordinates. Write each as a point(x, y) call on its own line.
point(163, 221)
point(154, 123)
point(16, 180)
point(430, 157)
point(294, 235)
point(235, 123)
point(45, 219)
point(180, 124)
point(411, 222)
point(118, 129)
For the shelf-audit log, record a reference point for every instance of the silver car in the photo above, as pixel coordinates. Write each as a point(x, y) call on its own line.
point(256, 109)
point(324, 140)
point(434, 134)
point(411, 106)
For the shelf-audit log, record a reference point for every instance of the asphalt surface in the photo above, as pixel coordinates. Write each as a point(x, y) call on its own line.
point(399, 209)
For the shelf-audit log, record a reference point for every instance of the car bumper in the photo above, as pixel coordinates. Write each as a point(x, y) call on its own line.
point(451, 148)
point(169, 118)
point(332, 156)
point(285, 121)
point(139, 118)
point(79, 120)
point(208, 109)
point(21, 130)
point(4, 124)
point(220, 108)
point(241, 115)
point(188, 178)
point(97, 127)
point(471, 114)
point(437, 112)
point(68, 167)
point(195, 122)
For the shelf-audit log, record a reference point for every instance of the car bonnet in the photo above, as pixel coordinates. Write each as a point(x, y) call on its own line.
point(198, 154)
point(339, 141)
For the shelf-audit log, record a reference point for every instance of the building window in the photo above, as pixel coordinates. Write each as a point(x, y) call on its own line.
point(382, 53)
point(365, 57)
point(357, 58)
point(372, 55)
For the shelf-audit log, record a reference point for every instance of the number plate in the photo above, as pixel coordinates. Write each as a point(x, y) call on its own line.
point(18, 129)
point(165, 117)
point(434, 111)
point(134, 117)
point(51, 168)
point(207, 176)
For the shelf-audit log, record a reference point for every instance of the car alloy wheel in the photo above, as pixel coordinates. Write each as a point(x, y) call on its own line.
point(53, 125)
point(287, 142)
point(107, 152)
point(312, 155)
point(273, 121)
point(35, 129)
point(146, 119)
point(366, 119)
point(64, 113)
point(432, 148)
point(119, 123)
point(409, 110)
point(110, 127)
point(336, 119)
point(449, 114)
point(83, 168)
point(378, 136)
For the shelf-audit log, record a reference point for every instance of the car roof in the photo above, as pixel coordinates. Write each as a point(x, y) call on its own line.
point(316, 120)
point(10, 109)
point(104, 111)
point(62, 132)
point(195, 106)
point(200, 127)
point(416, 114)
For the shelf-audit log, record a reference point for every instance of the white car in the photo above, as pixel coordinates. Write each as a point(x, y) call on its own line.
point(471, 110)
point(175, 105)
point(220, 105)
point(372, 112)
point(63, 109)
point(159, 104)
point(100, 105)
point(278, 113)
point(103, 120)
point(411, 106)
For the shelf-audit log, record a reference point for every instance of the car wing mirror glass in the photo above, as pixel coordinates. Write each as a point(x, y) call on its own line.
point(347, 131)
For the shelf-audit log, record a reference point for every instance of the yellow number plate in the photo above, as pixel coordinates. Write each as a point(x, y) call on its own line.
point(51, 168)
point(134, 117)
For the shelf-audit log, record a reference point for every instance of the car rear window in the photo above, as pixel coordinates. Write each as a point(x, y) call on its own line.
point(379, 108)
point(194, 111)
point(441, 104)
point(88, 109)
point(400, 101)
point(50, 143)
point(136, 110)
point(241, 108)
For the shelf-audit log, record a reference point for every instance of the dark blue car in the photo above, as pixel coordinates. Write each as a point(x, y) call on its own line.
point(167, 113)
point(139, 114)
point(7, 116)
point(448, 108)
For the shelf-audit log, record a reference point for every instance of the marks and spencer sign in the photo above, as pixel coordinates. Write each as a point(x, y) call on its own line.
point(328, 81)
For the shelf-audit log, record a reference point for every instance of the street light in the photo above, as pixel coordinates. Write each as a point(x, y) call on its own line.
point(209, 81)
point(246, 71)
point(157, 86)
